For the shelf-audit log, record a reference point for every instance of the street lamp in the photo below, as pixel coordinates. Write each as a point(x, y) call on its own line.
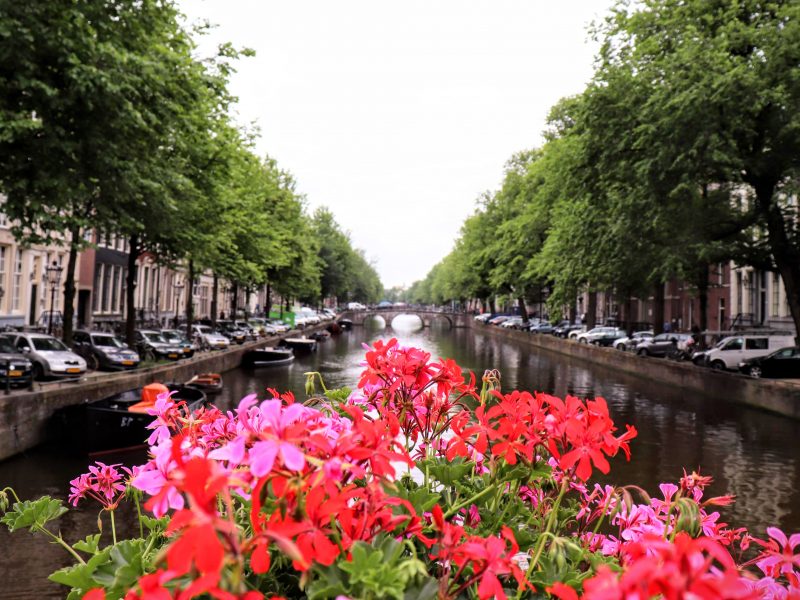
point(53, 273)
point(178, 287)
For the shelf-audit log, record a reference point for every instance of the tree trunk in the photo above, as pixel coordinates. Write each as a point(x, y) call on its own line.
point(268, 301)
point(523, 310)
point(69, 286)
point(190, 297)
point(591, 311)
point(702, 297)
point(234, 300)
point(214, 294)
point(658, 308)
point(784, 252)
point(130, 291)
point(493, 305)
point(628, 310)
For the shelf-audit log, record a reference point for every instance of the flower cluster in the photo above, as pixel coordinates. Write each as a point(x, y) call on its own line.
point(417, 485)
point(103, 483)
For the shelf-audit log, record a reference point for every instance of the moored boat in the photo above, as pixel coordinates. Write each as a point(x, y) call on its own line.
point(210, 383)
point(300, 344)
point(345, 324)
point(268, 357)
point(120, 421)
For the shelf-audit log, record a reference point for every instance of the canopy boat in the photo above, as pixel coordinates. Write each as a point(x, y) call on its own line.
point(210, 383)
point(120, 422)
point(345, 324)
point(320, 336)
point(300, 344)
point(268, 357)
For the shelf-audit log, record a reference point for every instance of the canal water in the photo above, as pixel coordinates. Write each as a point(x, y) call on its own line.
point(751, 454)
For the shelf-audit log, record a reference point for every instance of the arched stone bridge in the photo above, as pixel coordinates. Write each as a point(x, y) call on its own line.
point(454, 319)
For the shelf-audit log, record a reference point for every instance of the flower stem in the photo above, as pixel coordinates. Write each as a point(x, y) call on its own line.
point(59, 540)
point(543, 539)
point(468, 501)
point(113, 527)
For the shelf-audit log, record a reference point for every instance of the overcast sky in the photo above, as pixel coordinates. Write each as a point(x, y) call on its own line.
point(398, 115)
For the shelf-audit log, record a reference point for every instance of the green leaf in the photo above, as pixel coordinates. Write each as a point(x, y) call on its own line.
point(33, 514)
point(447, 472)
point(88, 545)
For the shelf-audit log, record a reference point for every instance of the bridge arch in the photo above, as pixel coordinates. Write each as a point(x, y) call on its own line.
point(454, 320)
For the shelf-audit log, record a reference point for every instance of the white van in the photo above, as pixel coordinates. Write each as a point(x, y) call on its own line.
point(730, 351)
point(355, 306)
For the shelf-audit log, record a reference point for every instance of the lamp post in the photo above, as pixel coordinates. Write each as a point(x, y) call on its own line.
point(178, 288)
point(53, 273)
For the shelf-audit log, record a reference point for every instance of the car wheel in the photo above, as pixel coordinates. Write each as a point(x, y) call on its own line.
point(718, 365)
point(92, 362)
point(755, 372)
point(149, 355)
point(582, 341)
point(38, 372)
point(642, 352)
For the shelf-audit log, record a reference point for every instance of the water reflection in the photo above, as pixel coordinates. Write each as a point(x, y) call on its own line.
point(751, 454)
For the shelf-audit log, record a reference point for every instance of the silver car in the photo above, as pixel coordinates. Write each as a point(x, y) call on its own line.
point(49, 355)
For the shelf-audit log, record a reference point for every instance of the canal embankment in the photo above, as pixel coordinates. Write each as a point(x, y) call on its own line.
point(781, 397)
point(25, 416)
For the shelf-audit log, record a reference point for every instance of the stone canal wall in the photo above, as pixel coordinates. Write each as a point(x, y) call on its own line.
point(25, 416)
point(780, 397)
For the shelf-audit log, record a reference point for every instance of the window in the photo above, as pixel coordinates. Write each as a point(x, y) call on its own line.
point(17, 283)
point(776, 295)
point(756, 344)
point(115, 290)
point(107, 273)
point(740, 292)
point(3, 253)
point(734, 344)
point(96, 289)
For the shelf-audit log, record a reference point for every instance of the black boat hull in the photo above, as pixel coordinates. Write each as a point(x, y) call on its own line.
point(108, 425)
point(268, 357)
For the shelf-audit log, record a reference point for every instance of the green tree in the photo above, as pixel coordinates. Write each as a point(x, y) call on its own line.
point(722, 108)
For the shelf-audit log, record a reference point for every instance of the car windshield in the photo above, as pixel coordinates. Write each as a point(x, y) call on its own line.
point(152, 336)
point(171, 335)
point(204, 329)
point(107, 340)
point(7, 346)
point(51, 344)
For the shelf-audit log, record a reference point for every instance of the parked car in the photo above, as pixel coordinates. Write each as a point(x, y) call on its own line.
point(731, 351)
point(309, 316)
point(598, 333)
point(277, 325)
point(152, 346)
point(574, 332)
point(563, 331)
point(630, 342)
point(783, 363)
point(206, 337)
point(666, 344)
point(546, 328)
point(498, 319)
point(355, 306)
point(514, 322)
point(15, 369)
point(483, 317)
point(104, 351)
point(49, 355)
point(249, 331)
point(231, 331)
point(175, 336)
point(608, 338)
